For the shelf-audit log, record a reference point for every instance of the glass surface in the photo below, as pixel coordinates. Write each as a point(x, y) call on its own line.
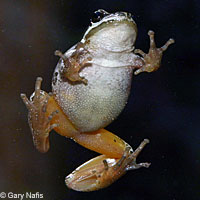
point(163, 106)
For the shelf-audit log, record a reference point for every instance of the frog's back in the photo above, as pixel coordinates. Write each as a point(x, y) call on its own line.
point(95, 105)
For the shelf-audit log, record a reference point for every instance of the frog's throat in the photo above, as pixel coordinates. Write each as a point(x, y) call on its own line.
point(106, 22)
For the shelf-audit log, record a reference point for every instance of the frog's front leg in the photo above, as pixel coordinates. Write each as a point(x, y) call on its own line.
point(102, 171)
point(73, 64)
point(152, 60)
point(39, 121)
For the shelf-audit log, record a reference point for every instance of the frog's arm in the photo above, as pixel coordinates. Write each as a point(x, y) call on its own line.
point(118, 157)
point(73, 64)
point(151, 61)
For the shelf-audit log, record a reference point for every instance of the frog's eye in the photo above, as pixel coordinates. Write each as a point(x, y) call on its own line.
point(98, 15)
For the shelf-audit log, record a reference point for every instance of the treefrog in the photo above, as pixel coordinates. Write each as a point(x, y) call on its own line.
point(90, 87)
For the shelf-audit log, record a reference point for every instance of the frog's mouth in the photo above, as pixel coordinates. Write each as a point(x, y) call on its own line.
point(92, 31)
point(108, 20)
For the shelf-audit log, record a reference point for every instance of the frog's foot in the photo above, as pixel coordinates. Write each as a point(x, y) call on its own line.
point(152, 60)
point(128, 160)
point(102, 171)
point(73, 65)
point(39, 121)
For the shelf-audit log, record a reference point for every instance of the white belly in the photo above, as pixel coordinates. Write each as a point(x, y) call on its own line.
point(95, 105)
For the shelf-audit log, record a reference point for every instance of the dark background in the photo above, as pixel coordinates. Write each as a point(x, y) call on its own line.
point(163, 106)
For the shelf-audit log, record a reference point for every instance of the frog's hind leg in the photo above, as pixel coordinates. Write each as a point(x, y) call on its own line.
point(39, 120)
point(118, 157)
point(103, 170)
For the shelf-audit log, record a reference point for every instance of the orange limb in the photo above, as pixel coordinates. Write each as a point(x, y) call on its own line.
point(101, 141)
point(102, 171)
point(118, 157)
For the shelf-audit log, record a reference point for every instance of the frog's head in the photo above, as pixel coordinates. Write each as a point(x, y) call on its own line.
point(111, 31)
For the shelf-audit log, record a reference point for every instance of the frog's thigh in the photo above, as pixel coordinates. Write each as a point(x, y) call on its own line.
point(65, 127)
point(103, 142)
